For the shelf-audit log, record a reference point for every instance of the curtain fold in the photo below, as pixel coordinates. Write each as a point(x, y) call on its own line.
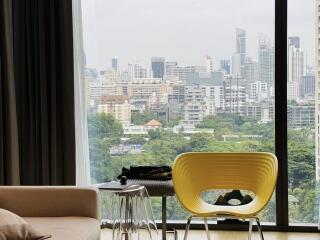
point(44, 91)
point(9, 148)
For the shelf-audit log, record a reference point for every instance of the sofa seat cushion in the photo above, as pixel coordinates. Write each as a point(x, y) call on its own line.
point(67, 228)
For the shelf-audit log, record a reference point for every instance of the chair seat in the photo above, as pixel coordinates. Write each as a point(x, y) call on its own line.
point(67, 228)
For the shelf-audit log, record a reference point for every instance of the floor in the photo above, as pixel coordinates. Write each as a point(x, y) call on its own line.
point(225, 235)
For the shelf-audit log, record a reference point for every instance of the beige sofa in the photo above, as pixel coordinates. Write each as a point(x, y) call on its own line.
point(66, 213)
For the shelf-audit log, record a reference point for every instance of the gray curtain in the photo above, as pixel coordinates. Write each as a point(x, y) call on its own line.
point(9, 148)
point(37, 85)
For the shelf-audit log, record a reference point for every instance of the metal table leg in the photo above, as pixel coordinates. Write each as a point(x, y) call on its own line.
point(164, 218)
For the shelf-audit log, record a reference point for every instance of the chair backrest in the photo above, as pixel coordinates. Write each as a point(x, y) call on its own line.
point(194, 173)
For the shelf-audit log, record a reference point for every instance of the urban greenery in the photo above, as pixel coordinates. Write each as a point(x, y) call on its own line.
point(162, 146)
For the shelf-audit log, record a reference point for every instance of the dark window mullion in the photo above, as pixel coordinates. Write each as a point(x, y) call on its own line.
point(281, 130)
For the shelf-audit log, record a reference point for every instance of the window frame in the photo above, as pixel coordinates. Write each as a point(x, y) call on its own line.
point(281, 136)
point(281, 133)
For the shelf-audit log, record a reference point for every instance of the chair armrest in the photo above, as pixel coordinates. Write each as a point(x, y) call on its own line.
point(54, 201)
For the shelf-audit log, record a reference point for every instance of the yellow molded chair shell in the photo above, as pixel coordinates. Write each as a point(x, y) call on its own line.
point(195, 173)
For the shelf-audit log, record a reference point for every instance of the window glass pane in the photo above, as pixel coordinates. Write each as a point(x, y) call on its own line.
point(167, 77)
point(302, 84)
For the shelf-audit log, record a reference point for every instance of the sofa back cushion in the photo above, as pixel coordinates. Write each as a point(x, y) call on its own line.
point(51, 201)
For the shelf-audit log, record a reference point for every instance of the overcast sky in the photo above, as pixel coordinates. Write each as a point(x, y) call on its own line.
point(184, 30)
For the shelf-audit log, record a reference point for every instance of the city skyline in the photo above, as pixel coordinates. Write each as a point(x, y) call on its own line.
point(204, 90)
point(132, 41)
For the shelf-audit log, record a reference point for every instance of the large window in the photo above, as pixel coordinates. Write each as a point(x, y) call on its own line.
point(301, 84)
point(167, 77)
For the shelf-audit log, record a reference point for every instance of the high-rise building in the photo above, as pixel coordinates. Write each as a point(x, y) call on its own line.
point(317, 95)
point(236, 64)
point(307, 86)
point(116, 105)
point(241, 47)
point(300, 116)
point(225, 65)
point(208, 63)
point(194, 105)
point(294, 41)
point(214, 99)
point(295, 64)
point(114, 63)
point(170, 68)
point(295, 68)
point(266, 61)
point(235, 95)
point(183, 73)
point(144, 88)
point(137, 71)
point(176, 95)
point(97, 90)
point(251, 71)
point(292, 90)
point(253, 109)
point(157, 66)
point(91, 74)
point(258, 91)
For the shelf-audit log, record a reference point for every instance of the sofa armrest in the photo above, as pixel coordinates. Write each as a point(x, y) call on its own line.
point(55, 201)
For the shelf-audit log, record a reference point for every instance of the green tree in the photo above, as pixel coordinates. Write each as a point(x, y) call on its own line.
point(163, 147)
point(154, 134)
point(104, 131)
point(199, 141)
point(138, 118)
point(101, 125)
point(301, 163)
point(136, 140)
point(100, 160)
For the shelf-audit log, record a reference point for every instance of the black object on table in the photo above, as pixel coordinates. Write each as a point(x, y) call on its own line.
point(159, 172)
point(158, 188)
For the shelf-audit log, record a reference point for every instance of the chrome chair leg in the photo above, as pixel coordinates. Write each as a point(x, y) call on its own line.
point(187, 228)
point(250, 229)
point(207, 228)
point(259, 228)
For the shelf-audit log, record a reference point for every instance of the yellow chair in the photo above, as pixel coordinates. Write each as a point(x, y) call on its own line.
point(195, 173)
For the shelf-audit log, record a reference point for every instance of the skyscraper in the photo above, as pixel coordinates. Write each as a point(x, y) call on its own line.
point(171, 68)
point(307, 86)
point(225, 65)
point(295, 62)
point(208, 63)
point(266, 60)
point(157, 66)
point(251, 71)
point(294, 41)
point(295, 68)
point(241, 44)
point(236, 64)
point(136, 70)
point(114, 63)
